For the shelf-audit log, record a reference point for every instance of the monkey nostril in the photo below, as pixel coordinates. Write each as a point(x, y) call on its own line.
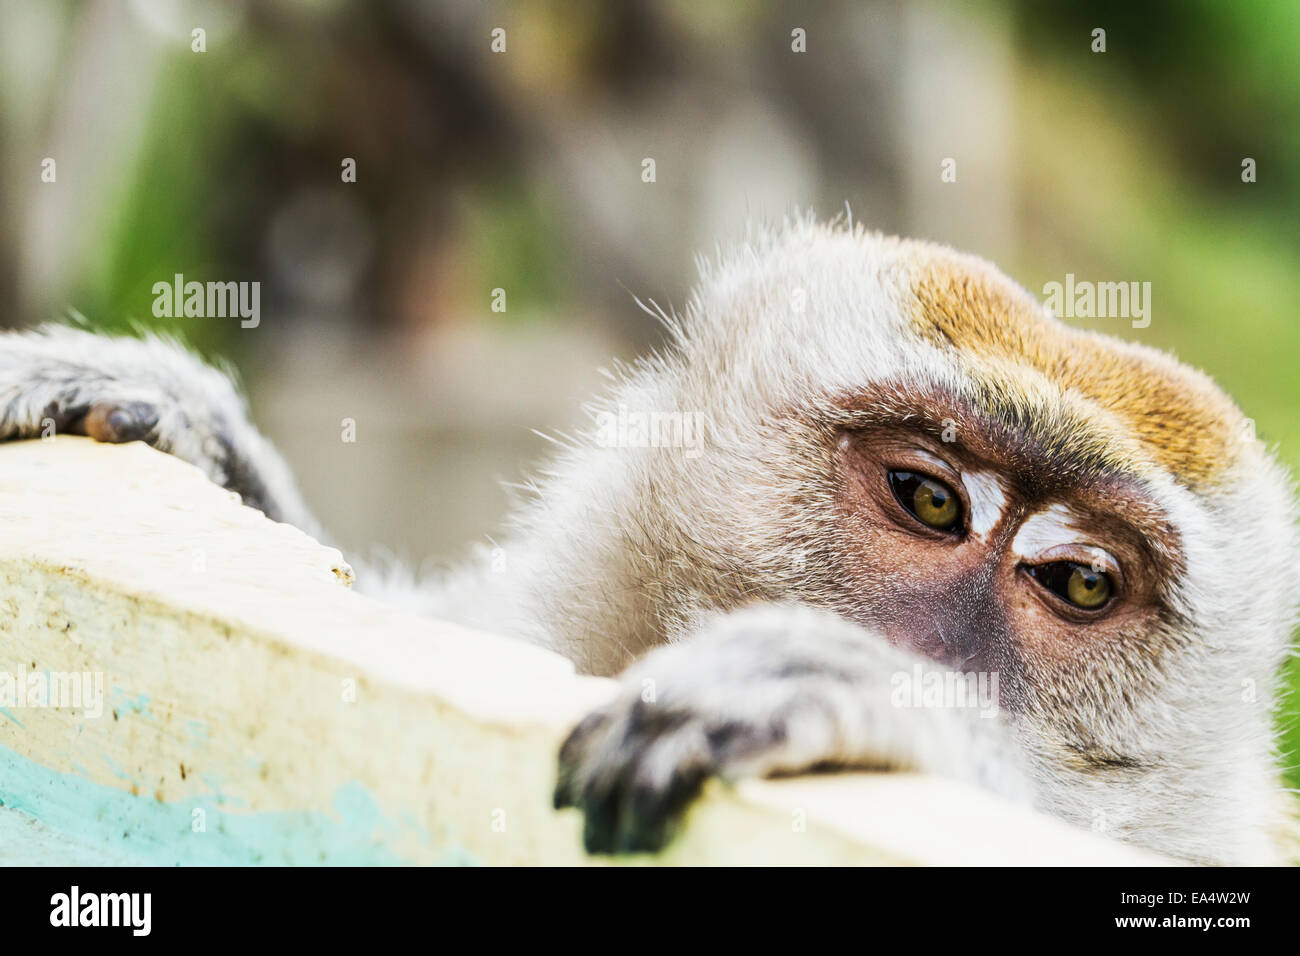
point(949, 643)
point(938, 629)
point(921, 636)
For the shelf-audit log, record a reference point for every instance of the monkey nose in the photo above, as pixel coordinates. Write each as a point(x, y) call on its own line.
point(945, 642)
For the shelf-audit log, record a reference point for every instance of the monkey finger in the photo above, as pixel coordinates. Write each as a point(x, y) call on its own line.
point(117, 422)
point(568, 783)
point(600, 809)
point(651, 815)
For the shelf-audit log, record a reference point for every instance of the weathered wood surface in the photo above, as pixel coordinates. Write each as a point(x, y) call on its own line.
point(256, 710)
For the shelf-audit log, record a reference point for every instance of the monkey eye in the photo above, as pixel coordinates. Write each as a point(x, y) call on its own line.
point(1076, 583)
point(932, 502)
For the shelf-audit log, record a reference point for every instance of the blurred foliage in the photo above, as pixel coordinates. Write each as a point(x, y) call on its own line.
point(168, 216)
point(514, 229)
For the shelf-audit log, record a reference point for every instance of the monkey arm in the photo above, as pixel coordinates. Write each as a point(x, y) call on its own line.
point(766, 690)
point(64, 380)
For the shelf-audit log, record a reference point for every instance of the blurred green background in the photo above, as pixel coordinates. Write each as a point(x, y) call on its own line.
point(522, 171)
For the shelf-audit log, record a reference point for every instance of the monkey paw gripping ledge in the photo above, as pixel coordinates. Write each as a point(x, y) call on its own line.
point(187, 682)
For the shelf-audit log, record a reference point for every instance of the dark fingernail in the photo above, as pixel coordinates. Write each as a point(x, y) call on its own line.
point(116, 423)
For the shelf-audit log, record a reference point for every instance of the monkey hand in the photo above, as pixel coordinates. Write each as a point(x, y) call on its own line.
point(773, 689)
point(61, 380)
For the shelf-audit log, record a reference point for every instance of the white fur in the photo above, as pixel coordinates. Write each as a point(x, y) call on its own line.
point(1057, 525)
point(988, 501)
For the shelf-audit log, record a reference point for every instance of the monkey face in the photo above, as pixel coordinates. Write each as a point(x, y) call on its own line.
point(977, 555)
point(953, 466)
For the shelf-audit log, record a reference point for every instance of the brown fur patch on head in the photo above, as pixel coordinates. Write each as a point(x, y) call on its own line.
point(1182, 421)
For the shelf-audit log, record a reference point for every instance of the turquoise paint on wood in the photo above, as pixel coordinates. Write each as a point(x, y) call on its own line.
point(356, 833)
point(138, 703)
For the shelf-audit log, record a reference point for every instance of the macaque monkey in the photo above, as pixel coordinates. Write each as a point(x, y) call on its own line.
point(902, 467)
